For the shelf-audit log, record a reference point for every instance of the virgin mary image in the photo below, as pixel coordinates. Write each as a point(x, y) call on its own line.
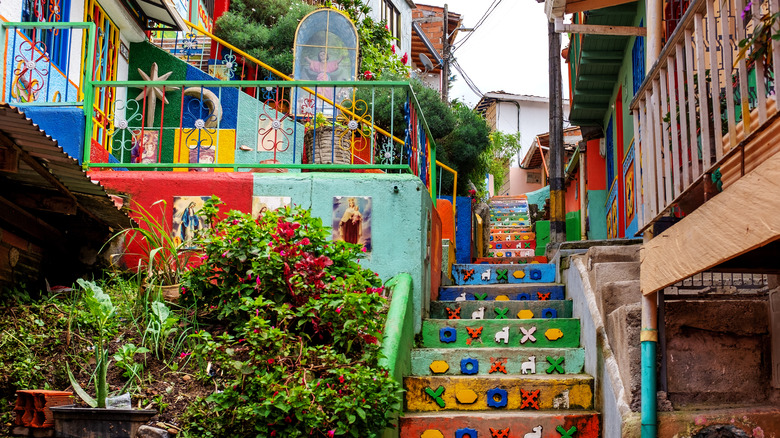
point(351, 220)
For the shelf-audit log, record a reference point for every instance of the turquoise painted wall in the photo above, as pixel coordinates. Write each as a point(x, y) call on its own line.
point(399, 221)
point(597, 228)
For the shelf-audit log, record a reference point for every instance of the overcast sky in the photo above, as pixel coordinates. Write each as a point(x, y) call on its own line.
point(507, 52)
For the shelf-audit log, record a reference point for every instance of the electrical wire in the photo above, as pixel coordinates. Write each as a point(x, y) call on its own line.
point(481, 21)
point(466, 78)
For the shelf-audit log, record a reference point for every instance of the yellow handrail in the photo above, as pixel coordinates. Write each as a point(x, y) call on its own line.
point(454, 185)
point(287, 78)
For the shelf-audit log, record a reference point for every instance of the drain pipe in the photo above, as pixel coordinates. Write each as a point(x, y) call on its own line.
point(649, 338)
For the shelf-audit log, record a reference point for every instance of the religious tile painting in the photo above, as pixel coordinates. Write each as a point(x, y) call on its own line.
point(187, 220)
point(628, 168)
point(261, 204)
point(352, 220)
point(612, 220)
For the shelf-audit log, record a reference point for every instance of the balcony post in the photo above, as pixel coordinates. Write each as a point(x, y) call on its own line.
point(654, 12)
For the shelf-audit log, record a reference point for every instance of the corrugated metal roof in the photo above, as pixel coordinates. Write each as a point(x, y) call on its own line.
point(33, 142)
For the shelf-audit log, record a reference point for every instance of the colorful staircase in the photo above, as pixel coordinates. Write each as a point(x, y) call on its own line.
point(500, 355)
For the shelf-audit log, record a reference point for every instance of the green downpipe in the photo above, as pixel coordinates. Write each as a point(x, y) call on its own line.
point(398, 334)
point(649, 413)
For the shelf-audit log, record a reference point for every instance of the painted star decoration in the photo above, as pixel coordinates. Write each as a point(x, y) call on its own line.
point(152, 93)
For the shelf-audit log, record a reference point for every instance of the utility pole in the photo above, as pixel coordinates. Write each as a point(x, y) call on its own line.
point(445, 49)
point(557, 197)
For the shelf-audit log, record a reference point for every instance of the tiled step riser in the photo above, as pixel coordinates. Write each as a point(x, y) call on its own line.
point(511, 223)
point(528, 333)
point(503, 274)
point(506, 309)
point(489, 393)
point(513, 244)
point(508, 210)
point(497, 361)
point(518, 292)
point(509, 217)
point(499, 237)
point(510, 260)
point(457, 425)
point(511, 252)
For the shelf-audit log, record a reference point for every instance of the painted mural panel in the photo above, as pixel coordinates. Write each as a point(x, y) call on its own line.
point(261, 204)
point(187, 220)
point(352, 220)
point(630, 193)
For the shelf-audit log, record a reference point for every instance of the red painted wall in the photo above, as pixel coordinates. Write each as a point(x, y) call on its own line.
point(145, 188)
point(596, 167)
point(572, 194)
point(619, 162)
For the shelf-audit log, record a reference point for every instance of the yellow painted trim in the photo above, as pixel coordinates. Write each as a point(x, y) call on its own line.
point(648, 335)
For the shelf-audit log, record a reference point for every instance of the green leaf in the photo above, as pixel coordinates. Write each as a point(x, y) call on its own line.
point(79, 390)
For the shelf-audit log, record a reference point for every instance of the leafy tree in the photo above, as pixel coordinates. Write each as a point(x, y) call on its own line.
point(464, 147)
point(501, 149)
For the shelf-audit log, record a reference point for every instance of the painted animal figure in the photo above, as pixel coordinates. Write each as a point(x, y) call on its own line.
point(503, 335)
point(561, 401)
point(537, 433)
point(529, 366)
point(462, 297)
point(478, 314)
point(486, 275)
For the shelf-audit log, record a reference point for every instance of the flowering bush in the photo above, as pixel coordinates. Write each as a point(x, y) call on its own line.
point(302, 356)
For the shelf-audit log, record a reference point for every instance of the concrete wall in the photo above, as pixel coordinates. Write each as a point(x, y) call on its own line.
point(400, 220)
point(519, 180)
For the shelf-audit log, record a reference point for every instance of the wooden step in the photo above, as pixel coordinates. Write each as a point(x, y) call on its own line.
point(506, 309)
point(466, 274)
point(492, 333)
point(501, 424)
point(476, 393)
point(504, 292)
point(498, 361)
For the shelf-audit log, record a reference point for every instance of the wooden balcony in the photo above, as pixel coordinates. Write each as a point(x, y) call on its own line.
point(707, 126)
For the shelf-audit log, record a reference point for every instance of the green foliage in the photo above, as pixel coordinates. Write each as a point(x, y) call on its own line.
point(501, 149)
point(264, 28)
point(463, 148)
point(125, 359)
point(302, 359)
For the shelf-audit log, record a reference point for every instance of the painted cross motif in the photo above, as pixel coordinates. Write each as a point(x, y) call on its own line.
point(527, 245)
point(497, 366)
point(530, 399)
point(528, 334)
point(543, 297)
point(566, 433)
point(501, 313)
point(436, 395)
point(453, 313)
point(480, 297)
point(474, 334)
point(556, 365)
point(501, 274)
point(468, 274)
point(498, 433)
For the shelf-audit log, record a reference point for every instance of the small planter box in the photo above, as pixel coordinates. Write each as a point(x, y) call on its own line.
point(73, 422)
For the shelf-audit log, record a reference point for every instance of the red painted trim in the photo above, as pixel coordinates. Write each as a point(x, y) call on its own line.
point(619, 163)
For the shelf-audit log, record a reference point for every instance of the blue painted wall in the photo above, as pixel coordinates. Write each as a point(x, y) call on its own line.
point(462, 228)
point(64, 124)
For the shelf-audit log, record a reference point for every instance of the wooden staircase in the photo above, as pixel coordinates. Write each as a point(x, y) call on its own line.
point(500, 354)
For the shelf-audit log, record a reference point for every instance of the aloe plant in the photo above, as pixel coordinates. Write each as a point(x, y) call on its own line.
point(102, 309)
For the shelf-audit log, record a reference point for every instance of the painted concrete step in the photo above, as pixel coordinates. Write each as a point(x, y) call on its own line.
point(510, 223)
point(501, 424)
point(501, 236)
point(504, 292)
point(466, 274)
point(496, 361)
point(508, 216)
point(509, 260)
point(499, 253)
point(509, 209)
point(492, 333)
point(500, 309)
point(512, 244)
point(497, 230)
point(476, 393)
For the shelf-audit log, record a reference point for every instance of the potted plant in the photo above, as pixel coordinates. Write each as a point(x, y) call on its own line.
point(97, 421)
point(163, 257)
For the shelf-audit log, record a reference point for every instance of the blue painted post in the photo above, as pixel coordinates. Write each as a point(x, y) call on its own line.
point(649, 338)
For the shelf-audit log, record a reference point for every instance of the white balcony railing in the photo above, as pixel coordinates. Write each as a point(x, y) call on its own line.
point(694, 109)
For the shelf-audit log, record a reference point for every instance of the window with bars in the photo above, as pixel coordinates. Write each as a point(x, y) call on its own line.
point(610, 146)
point(390, 15)
point(104, 66)
point(56, 41)
point(638, 61)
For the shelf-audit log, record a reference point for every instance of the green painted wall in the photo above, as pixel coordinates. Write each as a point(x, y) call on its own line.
point(597, 228)
point(399, 221)
point(542, 236)
point(573, 226)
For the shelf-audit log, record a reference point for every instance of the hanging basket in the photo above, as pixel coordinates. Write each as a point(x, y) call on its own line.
point(326, 145)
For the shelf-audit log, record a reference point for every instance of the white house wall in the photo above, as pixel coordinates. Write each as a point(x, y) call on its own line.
point(406, 23)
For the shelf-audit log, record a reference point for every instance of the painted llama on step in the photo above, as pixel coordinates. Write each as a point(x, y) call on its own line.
point(503, 335)
point(537, 433)
point(478, 314)
point(529, 366)
point(486, 275)
point(462, 297)
point(561, 401)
